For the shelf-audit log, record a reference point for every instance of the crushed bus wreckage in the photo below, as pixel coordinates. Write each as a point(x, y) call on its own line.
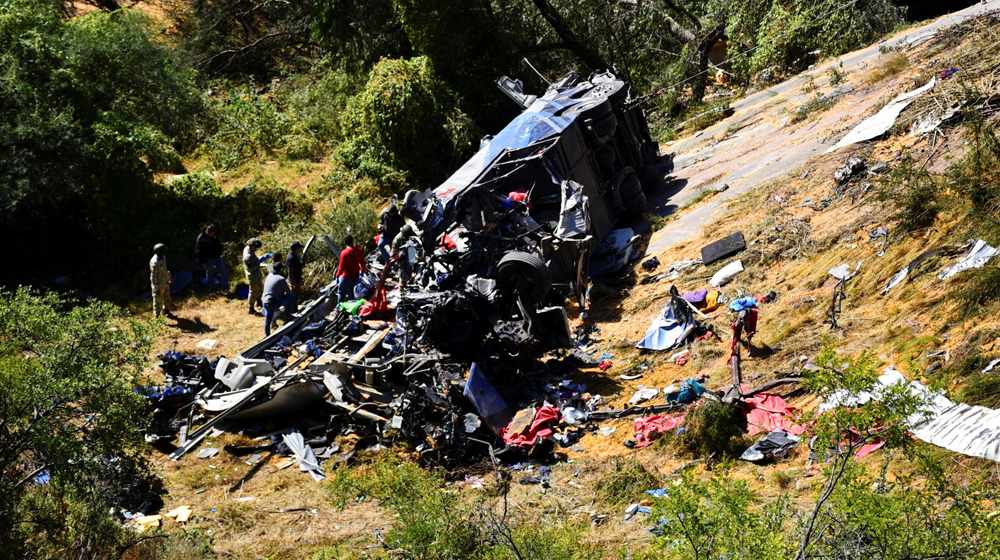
point(461, 317)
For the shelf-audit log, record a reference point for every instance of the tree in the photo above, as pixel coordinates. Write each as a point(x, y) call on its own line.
point(70, 446)
point(92, 108)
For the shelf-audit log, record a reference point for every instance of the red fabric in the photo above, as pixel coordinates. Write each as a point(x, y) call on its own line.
point(705, 336)
point(377, 303)
point(446, 242)
point(352, 263)
point(759, 297)
point(646, 429)
point(605, 365)
point(868, 448)
point(539, 428)
point(517, 196)
point(766, 413)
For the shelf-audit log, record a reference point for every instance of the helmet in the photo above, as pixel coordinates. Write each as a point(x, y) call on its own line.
point(159, 248)
point(296, 245)
point(254, 242)
point(406, 230)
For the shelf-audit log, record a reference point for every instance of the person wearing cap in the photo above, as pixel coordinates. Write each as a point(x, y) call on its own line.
point(349, 269)
point(389, 224)
point(277, 294)
point(255, 278)
point(277, 258)
point(208, 254)
point(293, 264)
point(160, 280)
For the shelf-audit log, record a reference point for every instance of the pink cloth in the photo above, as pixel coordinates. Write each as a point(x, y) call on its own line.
point(766, 413)
point(646, 429)
point(539, 428)
point(605, 365)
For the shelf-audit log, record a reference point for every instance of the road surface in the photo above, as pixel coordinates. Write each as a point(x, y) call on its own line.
point(757, 144)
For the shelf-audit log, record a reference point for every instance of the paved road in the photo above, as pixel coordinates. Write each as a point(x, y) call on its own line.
point(765, 147)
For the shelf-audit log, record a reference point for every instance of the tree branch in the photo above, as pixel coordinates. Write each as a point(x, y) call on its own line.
point(586, 54)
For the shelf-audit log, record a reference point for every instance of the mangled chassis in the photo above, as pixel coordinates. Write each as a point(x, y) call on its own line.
point(401, 381)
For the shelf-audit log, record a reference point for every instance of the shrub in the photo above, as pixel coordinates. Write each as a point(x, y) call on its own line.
point(70, 413)
point(626, 483)
point(713, 427)
point(432, 522)
point(404, 128)
point(248, 127)
point(912, 193)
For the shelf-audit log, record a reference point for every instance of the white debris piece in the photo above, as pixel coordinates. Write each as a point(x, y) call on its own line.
point(979, 255)
point(726, 273)
point(881, 122)
point(307, 459)
point(207, 344)
point(842, 272)
point(969, 430)
point(643, 395)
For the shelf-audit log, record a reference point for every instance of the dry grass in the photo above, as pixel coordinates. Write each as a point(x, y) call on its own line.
point(888, 66)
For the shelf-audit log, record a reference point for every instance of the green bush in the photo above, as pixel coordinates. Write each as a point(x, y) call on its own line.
point(404, 129)
point(713, 427)
point(434, 522)
point(92, 107)
point(249, 127)
point(69, 411)
point(913, 193)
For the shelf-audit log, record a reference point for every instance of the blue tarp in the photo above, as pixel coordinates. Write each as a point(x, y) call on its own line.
point(742, 303)
point(487, 401)
point(689, 392)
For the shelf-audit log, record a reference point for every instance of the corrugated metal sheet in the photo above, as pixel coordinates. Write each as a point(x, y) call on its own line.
point(969, 430)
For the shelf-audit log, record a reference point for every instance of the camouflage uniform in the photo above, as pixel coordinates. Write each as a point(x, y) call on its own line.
point(251, 266)
point(159, 279)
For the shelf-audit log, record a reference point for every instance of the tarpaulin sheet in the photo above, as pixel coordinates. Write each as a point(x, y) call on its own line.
point(766, 413)
point(670, 327)
point(646, 429)
point(539, 428)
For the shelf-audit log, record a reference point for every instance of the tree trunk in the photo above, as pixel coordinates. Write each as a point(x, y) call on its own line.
point(700, 83)
point(586, 54)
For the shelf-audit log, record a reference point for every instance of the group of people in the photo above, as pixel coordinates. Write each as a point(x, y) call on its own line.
point(279, 291)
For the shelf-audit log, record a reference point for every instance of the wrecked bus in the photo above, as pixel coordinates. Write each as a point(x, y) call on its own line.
point(541, 198)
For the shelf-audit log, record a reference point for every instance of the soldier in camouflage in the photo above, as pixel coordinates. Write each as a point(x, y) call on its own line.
point(160, 279)
point(255, 279)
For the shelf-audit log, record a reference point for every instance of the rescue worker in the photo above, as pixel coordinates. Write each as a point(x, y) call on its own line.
point(254, 276)
point(208, 253)
point(405, 235)
point(349, 269)
point(277, 294)
point(389, 224)
point(293, 264)
point(160, 280)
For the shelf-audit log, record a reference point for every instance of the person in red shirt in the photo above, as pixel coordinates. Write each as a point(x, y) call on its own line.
point(352, 264)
